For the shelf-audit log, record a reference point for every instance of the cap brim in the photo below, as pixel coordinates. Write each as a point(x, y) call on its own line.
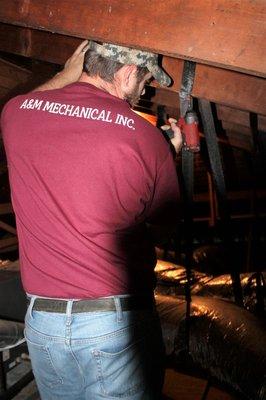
point(161, 77)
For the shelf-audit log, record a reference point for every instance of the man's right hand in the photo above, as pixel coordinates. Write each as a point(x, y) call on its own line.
point(74, 65)
point(177, 139)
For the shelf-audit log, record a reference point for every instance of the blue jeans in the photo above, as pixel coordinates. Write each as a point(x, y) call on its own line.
point(96, 355)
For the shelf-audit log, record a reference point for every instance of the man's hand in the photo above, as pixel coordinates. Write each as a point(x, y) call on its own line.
point(74, 65)
point(71, 72)
point(177, 139)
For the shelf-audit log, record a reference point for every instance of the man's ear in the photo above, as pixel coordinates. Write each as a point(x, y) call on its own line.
point(127, 75)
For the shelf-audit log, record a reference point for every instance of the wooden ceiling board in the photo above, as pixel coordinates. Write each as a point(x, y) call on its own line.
point(229, 34)
point(222, 86)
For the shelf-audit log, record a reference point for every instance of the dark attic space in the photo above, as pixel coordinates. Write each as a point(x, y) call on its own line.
point(206, 243)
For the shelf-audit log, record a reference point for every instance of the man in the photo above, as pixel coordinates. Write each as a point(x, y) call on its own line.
point(86, 174)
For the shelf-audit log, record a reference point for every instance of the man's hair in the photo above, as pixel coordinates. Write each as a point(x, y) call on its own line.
point(105, 68)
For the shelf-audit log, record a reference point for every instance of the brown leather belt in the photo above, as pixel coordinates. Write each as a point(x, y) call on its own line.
point(93, 305)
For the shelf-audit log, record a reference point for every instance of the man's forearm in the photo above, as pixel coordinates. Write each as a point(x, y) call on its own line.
point(56, 82)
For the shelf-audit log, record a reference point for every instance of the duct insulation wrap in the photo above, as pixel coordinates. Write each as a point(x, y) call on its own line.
point(11, 334)
point(171, 280)
point(226, 341)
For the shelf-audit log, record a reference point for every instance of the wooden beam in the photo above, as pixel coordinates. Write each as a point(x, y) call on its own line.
point(233, 195)
point(3, 92)
point(236, 139)
point(6, 208)
point(16, 80)
point(217, 32)
point(5, 243)
point(239, 117)
point(232, 115)
point(13, 71)
point(12, 80)
point(36, 44)
point(11, 75)
point(8, 228)
point(243, 130)
point(166, 98)
point(222, 86)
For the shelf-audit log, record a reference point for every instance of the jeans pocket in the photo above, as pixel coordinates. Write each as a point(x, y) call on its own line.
point(42, 364)
point(121, 374)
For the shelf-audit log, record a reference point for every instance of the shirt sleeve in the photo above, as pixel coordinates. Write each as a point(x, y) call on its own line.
point(165, 203)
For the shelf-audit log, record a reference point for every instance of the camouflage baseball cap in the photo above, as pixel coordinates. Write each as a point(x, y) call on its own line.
point(126, 55)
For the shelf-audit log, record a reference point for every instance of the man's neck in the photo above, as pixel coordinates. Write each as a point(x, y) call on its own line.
point(109, 87)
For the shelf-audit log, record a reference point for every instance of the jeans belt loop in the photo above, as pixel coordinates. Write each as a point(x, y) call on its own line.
point(119, 310)
point(31, 304)
point(68, 312)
